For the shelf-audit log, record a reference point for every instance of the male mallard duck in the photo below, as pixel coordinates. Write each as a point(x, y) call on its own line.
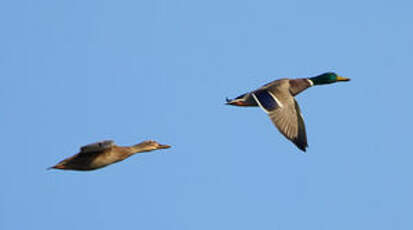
point(277, 100)
point(104, 153)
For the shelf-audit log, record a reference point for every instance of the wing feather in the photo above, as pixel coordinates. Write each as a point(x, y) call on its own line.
point(286, 116)
point(97, 146)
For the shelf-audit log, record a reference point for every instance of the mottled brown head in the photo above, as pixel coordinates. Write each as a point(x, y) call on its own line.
point(147, 146)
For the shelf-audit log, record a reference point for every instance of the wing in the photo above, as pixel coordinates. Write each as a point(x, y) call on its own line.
point(91, 151)
point(284, 112)
point(301, 139)
point(97, 146)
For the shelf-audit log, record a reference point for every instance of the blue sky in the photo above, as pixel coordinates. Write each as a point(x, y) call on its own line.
point(76, 72)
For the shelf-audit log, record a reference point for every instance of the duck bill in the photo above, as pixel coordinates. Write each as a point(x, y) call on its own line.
point(340, 78)
point(164, 146)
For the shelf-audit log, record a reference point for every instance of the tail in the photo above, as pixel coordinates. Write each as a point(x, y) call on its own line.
point(228, 101)
point(57, 167)
point(243, 100)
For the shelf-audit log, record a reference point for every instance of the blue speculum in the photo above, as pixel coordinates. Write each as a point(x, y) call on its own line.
point(266, 100)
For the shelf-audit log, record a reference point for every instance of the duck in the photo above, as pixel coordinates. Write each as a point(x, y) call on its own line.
point(277, 100)
point(103, 153)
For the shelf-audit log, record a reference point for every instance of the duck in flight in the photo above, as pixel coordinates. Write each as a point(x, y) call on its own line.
point(277, 100)
point(100, 154)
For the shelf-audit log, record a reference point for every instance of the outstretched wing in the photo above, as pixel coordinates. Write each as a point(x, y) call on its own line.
point(285, 113)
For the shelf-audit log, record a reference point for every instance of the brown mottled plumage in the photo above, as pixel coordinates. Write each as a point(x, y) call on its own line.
point(104, 153)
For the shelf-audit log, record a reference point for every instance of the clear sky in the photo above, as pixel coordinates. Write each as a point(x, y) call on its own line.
point(75, 72)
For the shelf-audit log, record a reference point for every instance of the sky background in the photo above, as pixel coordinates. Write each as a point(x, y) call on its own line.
point(76, 72)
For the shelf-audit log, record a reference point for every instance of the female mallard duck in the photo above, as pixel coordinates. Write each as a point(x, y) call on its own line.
point(277, 100)
point(104, 153)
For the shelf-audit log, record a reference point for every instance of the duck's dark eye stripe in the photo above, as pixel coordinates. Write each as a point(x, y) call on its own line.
point(266, 100)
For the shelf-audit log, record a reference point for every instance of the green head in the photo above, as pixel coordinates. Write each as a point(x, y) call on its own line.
point(327, 78)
